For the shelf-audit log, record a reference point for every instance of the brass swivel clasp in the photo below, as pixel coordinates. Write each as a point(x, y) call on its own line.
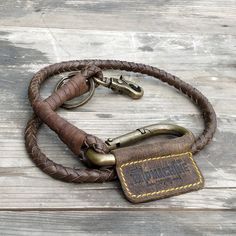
point(121, 86)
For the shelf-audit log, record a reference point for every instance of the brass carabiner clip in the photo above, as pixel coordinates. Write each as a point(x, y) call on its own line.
point(131, 138)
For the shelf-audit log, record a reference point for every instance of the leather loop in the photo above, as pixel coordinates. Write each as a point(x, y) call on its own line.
point(76, 138)
point(73, 137)
point(159, 148)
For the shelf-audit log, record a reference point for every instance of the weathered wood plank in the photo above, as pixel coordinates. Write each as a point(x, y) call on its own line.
point(192, 39)
point(162, 16)
point(118, 223)
point(71, 197)
point(218, 168)
point(197, 56)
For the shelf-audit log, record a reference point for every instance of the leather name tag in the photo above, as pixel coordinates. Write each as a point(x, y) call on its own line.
point(159, 177)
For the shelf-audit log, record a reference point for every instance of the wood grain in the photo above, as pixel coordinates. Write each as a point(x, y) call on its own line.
point(118, 223)
point(145, 15)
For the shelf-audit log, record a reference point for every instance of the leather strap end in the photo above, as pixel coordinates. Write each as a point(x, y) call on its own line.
point(160, 170)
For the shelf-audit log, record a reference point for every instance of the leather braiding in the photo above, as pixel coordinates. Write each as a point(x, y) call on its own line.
point(90, 68)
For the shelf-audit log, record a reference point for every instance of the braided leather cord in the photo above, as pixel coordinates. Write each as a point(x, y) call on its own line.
point(105, 174)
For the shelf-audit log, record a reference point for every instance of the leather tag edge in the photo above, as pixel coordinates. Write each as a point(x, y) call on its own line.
point(185, 188)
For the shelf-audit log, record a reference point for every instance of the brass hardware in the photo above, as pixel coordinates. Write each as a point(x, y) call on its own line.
point(100, 159)
point(118, 85)
point(122, 86)
point(131, 138)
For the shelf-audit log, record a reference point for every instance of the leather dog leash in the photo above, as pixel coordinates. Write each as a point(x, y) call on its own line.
point(146, 171)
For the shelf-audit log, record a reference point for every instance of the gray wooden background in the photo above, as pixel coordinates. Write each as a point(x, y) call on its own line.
point(195, 40)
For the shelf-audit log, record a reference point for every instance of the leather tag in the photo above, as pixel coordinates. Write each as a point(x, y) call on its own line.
point(158, 177)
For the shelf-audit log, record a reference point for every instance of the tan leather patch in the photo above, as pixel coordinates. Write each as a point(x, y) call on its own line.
point(159, 177)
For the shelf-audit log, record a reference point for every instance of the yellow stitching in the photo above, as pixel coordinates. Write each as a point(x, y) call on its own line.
point(164, 190)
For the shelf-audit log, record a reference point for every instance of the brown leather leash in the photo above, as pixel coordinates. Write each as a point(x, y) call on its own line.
point(147, 171)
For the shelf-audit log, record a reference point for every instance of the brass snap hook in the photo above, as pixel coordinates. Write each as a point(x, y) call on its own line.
point(131, 138)
point(78, 101)
point(121, 86)
point(118, 85)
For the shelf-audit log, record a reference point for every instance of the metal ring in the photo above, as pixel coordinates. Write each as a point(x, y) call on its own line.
point(76, 102)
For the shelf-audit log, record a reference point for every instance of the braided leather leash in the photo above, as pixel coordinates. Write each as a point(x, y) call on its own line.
point(79, 141)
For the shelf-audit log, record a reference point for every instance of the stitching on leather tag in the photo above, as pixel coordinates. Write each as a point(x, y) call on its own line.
point(159, 177)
